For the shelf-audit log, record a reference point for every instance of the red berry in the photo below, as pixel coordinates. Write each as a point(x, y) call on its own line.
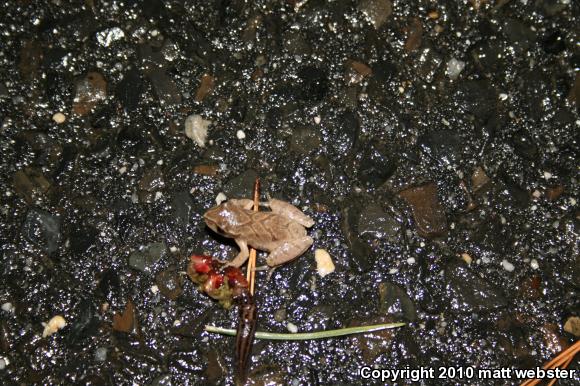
point(201, 264)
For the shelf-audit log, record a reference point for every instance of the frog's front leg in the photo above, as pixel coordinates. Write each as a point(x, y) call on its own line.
point(242, 256)
point(289, 250)
point(290, 211)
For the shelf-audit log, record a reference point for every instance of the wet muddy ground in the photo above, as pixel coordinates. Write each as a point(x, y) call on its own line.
point(435, 143)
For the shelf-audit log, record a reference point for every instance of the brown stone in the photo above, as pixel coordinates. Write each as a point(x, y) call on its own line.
point(30, 59)
point(90, 90)
point(427, 211)
point(169, 284)
point(415, 35)
point(127, 321)
point(206, 170)
point(554, 192)
point(360, 67)
point(205, 87)
point(479, 179)
point(30, 183)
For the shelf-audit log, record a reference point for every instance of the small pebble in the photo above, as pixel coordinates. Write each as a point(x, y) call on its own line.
point(101, 354)
point(317, 119)
point(454, 68)
point(173, 249)
point(7, 307)
point(196, 129)
point(154, 289)
point(324, 264)
point(122, 170)
point(503, 96)
point(280, 315)
point(534, 264)
point(292, 327)
point(59, 118)
point(411, 260)
point(392, 271)
point(547, 175)
point(467, 258)
point(507, 265)
point(220, 198)
point(240, 134)
point(536, 193)
point(53, 325)
point(4, 362)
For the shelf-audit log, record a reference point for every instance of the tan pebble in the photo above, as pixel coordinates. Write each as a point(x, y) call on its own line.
point(466, 258)
point(433, 15)
point(56, 323)
point(324, 264)
point(59, 118)
point(572, 325)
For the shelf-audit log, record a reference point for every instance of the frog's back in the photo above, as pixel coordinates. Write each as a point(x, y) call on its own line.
point(267, 230)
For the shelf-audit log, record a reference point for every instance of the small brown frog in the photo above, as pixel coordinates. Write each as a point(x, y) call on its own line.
point(282, 232)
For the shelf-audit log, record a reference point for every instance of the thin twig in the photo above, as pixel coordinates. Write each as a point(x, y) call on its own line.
point(251, 269)
point(309, 335)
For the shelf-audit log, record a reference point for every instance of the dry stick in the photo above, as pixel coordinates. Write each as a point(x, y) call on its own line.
point(562, 361)
point(565, 365)
point(251, 270)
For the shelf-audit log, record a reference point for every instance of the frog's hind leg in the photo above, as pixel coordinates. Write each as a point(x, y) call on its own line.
point(288, 210)
point(289, 250)
point(241, 258)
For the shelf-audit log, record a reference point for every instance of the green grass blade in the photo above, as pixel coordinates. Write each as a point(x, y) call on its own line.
point(308, 335)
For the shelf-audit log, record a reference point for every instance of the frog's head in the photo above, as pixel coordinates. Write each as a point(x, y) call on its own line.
point(218, 218)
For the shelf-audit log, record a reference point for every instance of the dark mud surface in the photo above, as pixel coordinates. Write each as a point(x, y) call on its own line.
point(434, 143)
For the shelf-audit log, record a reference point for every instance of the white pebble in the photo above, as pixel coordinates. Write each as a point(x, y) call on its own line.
point(7, 307)
point(454, 68)
point(196, 129)
point(122, 170)
point(572, 201)
point(503, 96)
point(4, 362)
point(534, 264)
point(160, 162)
point(507, 265)
point(536, 194)
point(53, 325)
point(324, 264)
point(154, 289)
point(240, 134)
point(392, 271)
point(158, 195)
point(547, 175)
point(220, 198)
point(59, 118)
point(292, 327)
point(411, 260)
point(173, 249)
point(317, 119)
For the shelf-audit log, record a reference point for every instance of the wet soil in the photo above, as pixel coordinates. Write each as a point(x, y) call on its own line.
point(435, 144)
